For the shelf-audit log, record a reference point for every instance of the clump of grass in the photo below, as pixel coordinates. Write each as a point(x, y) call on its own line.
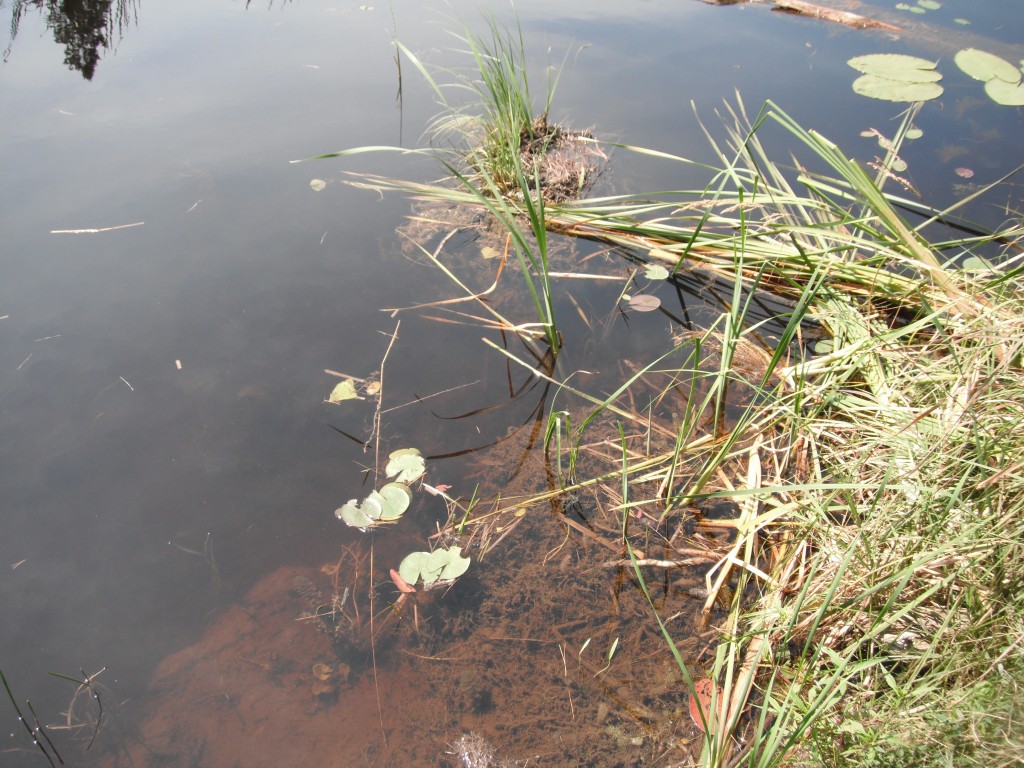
point(875, 578)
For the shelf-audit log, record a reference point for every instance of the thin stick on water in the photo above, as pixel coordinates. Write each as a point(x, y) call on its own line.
point(95, 230)
point(375, 436)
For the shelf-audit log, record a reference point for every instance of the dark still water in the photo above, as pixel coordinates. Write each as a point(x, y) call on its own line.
point(172, 291)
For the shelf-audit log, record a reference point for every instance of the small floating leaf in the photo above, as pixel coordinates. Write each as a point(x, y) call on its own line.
point(352, 515)
point(318, 185)
point(930, 5)
point(964, 173)
point(982, 65)
point(915, 9)
point(1007, 94)
point(418, 565)
point(961, 22)
point(897, 66)
point(345, 390)
point(489, 253)
point(644, 302)
point(823, 346)
point(655, 272)
point(898, 164)
point(456, 565)
point(405, 465)
point(914, 133)
point(876, 87)
point(439, 565)
point(397, 498)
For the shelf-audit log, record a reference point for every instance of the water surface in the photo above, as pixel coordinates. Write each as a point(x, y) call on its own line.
point(143, 500)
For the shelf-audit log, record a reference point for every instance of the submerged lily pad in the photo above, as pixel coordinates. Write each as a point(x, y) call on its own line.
point(876, 87)
point(982, 65)
point(1007, 94)
point(405, 465)
point(897, 66)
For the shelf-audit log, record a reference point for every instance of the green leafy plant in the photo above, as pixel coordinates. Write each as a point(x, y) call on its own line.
point(429, 568)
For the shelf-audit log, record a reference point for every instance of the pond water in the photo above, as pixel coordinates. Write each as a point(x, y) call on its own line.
point(169, 468)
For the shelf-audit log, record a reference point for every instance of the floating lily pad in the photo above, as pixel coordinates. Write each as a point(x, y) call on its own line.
point(930, 5)
point(352, 515)
point(914, 133)
point(405, 465)
point(982, 65)
point(897, 66)
point(317, 185)
point(487, 252)
point(345, 390)
point(397, 498)
point(876, 87)
point(439, 565)
point(916, 9)
point(644, 302)
point(1007, 94)
point(655, 272)
point(961, 22)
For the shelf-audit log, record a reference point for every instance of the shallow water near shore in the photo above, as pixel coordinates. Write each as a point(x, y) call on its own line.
point(174, 290)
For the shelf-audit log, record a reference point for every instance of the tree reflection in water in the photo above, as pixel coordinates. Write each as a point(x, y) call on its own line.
point(86, 28)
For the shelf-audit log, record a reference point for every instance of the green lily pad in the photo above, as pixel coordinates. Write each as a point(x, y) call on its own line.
point(930, 5)
point(876, 87)
point(1007, 94)
point(897, 66)
point(456, 565)
point(982, 65)
point(439, 565)
point(405, 465)
point(914, 133)
point(397, 498)
point(420, 565)
point(655, 272)
point(352, 515)
point(345, 390)
point(916, 9)
point(961, 22)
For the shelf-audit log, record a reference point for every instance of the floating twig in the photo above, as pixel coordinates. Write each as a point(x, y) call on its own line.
point(94, 231)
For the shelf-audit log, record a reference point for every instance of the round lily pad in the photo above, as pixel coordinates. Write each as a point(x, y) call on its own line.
point(397, 498)
point(876, 87)
point(897, 66)
point(352, 515)
point(1007, 94)
point(439, 565)
point(644, 302)
point(982, 65)
point(914, 133)
point(405, 465)
point(655, 272)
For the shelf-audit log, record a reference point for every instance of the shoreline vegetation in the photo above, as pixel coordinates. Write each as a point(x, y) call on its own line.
point(868, 589)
